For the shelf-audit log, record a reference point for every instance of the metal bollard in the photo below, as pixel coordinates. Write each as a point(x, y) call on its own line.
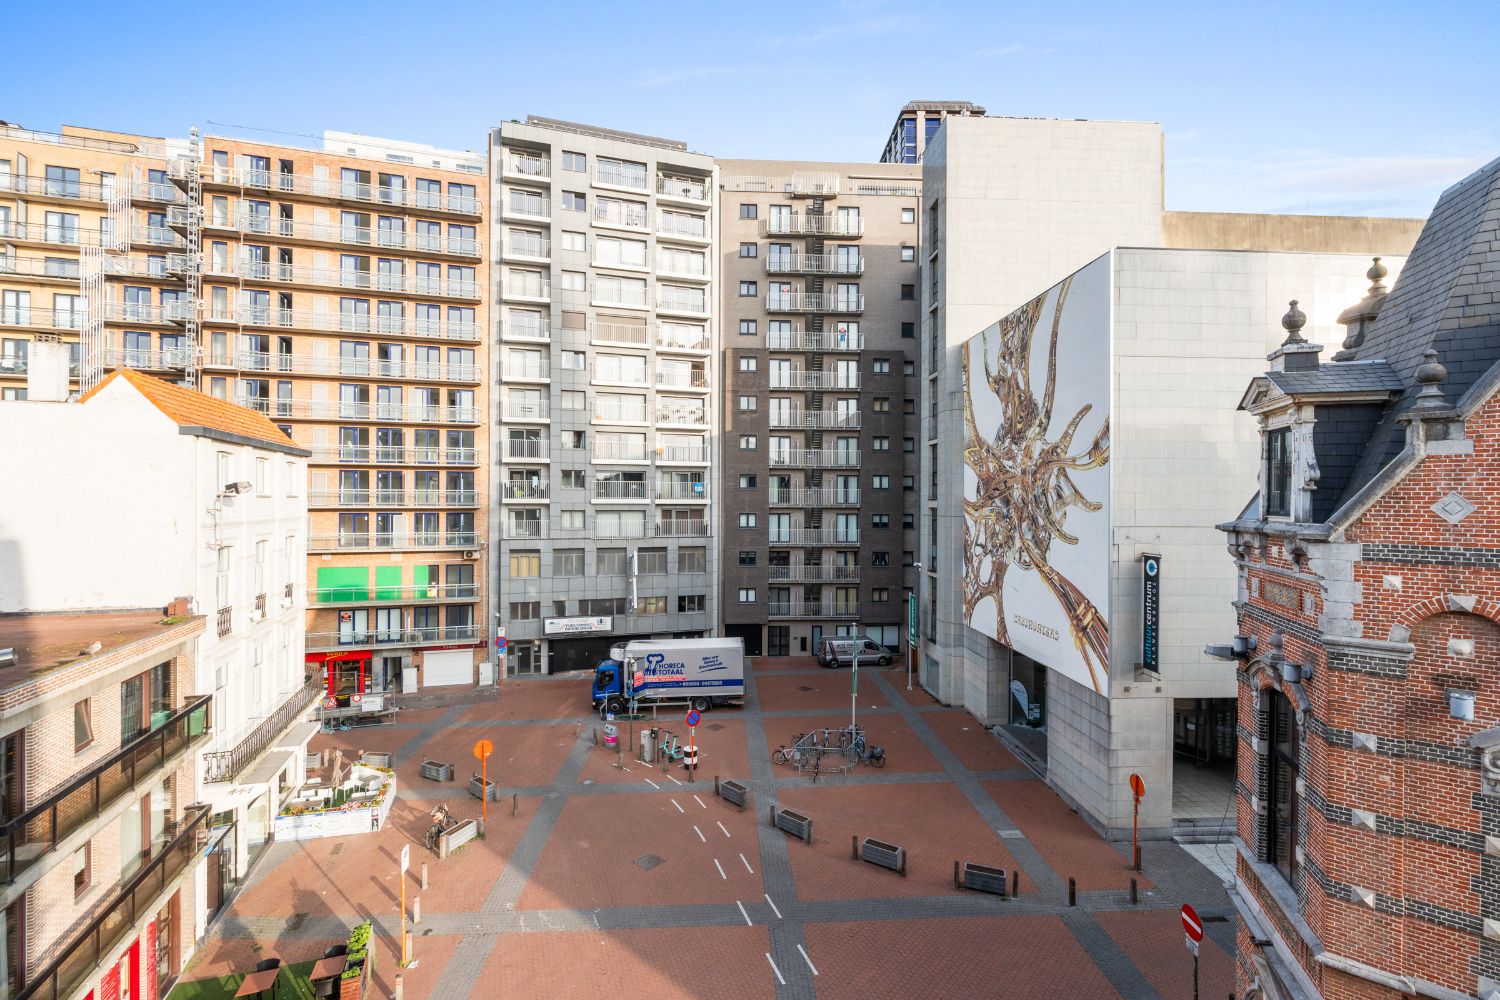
point(955, 875)
point(515, 800)
point(854, 847)
point(424, 875)
point(400, 991)
point(1133, 898)
point(1072, 892)
point(1015, 883)
point(416, 910)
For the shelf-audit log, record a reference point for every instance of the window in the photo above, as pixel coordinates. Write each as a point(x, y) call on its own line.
point(572, 519)
point(1279, 473)
point(882, 366)
point(576, 162)
point(525, 565)
point(880, 520)
point(651, 562)
point(748, 212)
point(747, 557)
point(749, 364)
point(749, 249)
point(83, 869)
point(880, 482)
point(692, 560)
point(573, 479)
point(574, 201)
point(572, 440)
point(747, 519)
point(908, 293)
point(747, 594)
point(573, 399)
point(881, 404)
point(567, 562)
point(909, 368)
point(749, 289)
point(908, 520)
point(909, 406)
point(83, 725)
point(908, 482)
point(525, 611)
point(747, 442)
point(881, 443)
point(748, 327)
point(749, 404)
point(575, 360)
point(610, 562)
point(747, 481)
point(909, 330)
point(1283, 762)
point(908, 216)
point(690, 603)
point(576, 242)
point(880, 558)
point(908, 558)
point(908, 254)
point(602, 606)
point(908, 445)
point(881, 595)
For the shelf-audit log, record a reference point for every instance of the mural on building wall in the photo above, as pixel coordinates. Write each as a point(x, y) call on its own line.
point(1036, 478)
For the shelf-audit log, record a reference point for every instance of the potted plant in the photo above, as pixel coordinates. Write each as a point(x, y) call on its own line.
point(359, 963)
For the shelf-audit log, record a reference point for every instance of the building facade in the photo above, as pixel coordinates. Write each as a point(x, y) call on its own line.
point(1368, 638)
point(917, 123)
point(817, 470)
point(605, 292)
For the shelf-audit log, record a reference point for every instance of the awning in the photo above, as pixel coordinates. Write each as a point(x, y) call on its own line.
point(296, 737)
point(341, 655)
point(222, 795)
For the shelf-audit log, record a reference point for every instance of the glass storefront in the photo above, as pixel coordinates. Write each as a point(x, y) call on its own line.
point(257, 829)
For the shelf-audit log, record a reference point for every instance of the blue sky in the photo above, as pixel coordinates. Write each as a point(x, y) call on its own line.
point(1325, 107)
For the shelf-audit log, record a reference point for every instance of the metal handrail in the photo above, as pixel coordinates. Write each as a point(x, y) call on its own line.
point(119, 915)
point(50, 818)
point(226, 765)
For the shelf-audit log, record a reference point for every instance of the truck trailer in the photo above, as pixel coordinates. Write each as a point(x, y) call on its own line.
point(701, 673)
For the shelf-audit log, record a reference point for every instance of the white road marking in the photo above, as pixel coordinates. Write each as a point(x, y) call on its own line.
point(700, 834)
point(674, 780)
point(773, 906)
point(748, 921)
point(700, 802)
point(814, 968)
point(652, 783)
point(775, 970)
point(679, 808)
point(747, 865)
point(721, 827)
point(721, 870)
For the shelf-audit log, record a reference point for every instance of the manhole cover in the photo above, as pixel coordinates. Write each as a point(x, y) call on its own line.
point(648, 862)
point(336, 849)
point(715, 727)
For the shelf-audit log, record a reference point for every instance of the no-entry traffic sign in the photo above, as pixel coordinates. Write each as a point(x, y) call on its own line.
point(1138, 786)
point(1191, 923)
point(483, 749)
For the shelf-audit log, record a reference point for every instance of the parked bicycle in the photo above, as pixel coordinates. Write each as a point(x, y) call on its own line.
point(441, 820)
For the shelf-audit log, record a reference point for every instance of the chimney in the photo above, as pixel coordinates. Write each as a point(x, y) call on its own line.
point(47, 370)
point(1294, 354)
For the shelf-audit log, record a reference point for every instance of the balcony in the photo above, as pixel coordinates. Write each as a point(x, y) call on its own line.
point(630, 295)
point(684, 301)
point(362, 541)
point(52, 268)
point(411, 413)
point(814, 458)
point(618, 215)
point(528, 326)
point(817, 184)
point(331, 596)
point(51, 233)
point(677, 226)
point(801, 378)
point(682, 416)
point(610, 411)
point(815, 573)
point(683, 266)
point(416, 241)
point(812, 609)
point(517, 489)
point(826, 226)
point(116, 916)
point(815, 420)
point(814, 536)
point(41, 828)
point(226, 765)
point(526, 166)
point(393, 455)
point(527, 409)
point(363, 499)
point(527, 205)
point(797, 497)
point(814, 263)
point(52, 187)
point(682, 337)
point(338, 189)
point(612, 490)
point(527, 246)
point(680, 528)
point(632, 334)
point(817, 341)
point(533, 369)
point(619, 451)
point(687, 454)
point(620, 175)
point(329, 642)
point(355, 367)
point(838, 303)
point(695, 378)
point(526, 288)
point(689, 190)
point(521, 449)
point(158, 191)
point(264, 317)
point(40, 318)
point(327, 277)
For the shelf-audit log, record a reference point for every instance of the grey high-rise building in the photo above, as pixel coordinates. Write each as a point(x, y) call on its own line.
point(917, 123)
point(604, 299)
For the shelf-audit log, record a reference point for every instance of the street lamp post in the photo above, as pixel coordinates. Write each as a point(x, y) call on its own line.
point(911, 646)
point(854, 682)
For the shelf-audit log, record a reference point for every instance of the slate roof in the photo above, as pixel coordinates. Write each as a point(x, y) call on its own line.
point(1348, 376)
point(199, 413)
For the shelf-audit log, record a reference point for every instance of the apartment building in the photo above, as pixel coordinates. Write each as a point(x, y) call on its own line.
point(818, 465)
point(917, 123)
point(340, 293)
point(604, 287)
point(87, 208)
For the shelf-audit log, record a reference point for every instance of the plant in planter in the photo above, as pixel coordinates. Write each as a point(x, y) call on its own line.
point(359, 950)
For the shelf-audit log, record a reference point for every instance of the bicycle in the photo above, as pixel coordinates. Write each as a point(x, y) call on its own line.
point(787, 754)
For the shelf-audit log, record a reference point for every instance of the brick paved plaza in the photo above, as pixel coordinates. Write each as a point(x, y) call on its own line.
point(636, 883)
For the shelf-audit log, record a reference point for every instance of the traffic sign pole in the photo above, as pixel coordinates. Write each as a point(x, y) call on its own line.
point(1137, 792)
point(405, 864)
point(1193, 928)
point(482, 750)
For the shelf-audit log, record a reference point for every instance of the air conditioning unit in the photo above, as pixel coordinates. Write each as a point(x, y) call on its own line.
point(471, 554)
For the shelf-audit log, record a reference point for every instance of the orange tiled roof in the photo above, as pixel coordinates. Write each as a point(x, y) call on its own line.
point(189, 408)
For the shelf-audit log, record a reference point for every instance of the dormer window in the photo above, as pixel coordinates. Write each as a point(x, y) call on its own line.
point(1279, 473)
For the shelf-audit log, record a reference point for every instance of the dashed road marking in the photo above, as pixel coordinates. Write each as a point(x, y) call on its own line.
point(748, 921)
point(679, 808)
point(747, 864)
point(674, 780)
point(814, 968)
point(722, 827)
point(721, 870)
point(775, 970)
point(700, 802)
point(700, 834)
point(773, 905)
point(652, 783)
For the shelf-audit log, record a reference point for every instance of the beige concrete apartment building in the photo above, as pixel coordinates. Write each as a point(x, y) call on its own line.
point(820, 263)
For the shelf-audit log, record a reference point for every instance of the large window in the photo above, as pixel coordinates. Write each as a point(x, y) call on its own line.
point(1278, 473)
point(1281, 817)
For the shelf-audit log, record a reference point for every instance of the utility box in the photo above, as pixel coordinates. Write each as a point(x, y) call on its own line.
point(648, 746)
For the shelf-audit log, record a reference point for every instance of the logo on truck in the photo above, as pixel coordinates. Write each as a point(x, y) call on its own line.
point(659, 669)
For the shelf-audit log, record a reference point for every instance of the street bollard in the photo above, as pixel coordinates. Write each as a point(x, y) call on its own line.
point(1072, 892)
point(854, 847)
point(424, 875)
point(1015, 884)
point(1133, 898)
point(400, 990)
point(416, 910)
point(410, 939)
point(515, 802)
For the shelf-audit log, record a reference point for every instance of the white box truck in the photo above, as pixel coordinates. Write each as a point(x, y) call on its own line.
point(701, 673)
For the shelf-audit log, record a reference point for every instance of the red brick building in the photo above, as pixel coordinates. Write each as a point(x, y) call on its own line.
point(1369, 638)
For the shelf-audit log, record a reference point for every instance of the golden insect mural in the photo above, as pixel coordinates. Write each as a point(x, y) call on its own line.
point(1025, 484)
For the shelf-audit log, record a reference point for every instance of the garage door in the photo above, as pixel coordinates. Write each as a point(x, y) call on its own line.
point(447, 667)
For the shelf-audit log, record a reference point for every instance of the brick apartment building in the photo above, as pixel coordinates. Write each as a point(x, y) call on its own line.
point(1368, 784)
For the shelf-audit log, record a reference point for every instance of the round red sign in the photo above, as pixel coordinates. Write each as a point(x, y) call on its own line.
point(1191, 923)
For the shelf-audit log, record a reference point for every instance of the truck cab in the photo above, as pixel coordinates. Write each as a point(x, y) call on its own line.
point(609, 685)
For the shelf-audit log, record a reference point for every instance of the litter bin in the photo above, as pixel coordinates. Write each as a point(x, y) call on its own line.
point(648, 746)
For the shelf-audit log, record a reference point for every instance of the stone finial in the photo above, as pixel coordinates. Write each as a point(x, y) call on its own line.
point(1429, 376)
point(1293, 322)
point(1376, 274)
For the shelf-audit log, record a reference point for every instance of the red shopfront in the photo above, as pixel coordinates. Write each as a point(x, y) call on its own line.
point(147, 963)
point(346, 676)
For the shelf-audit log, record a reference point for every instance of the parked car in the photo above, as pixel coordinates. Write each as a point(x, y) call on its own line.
point(840, 652)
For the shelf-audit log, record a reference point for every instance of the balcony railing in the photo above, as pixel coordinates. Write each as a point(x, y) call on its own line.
point(411, 413)
point(814, 536)
point(798, 224)
point(529, 206)
point(538, 369)
point(687, 339)
point(530, 245)
point(59, 268)
point(681, 301)
point(676, 490)
point(366, 541)
point(527, 409)
point(40, 318)
point(39, 829)
point(52, 187)
point(681, 529)
point(839, 303)
point(226, 765)
point(682, 188)
point(796, 497)
point(807, 340)
point(172, 359)
point(813, 574)
point(358, 367)
point(326, 641)
point(41, 232)
point(799, 378)
point(348, 235)
point(820, 184)
point(407, 326)
point(620, 176)
point(619, 333)
point(675, 224)
point(328, 277)
point(530, 328)
point(815, 458)
point(524, 448)
point(225, 621)
point(523, 165)
point(393, 498)
point(610, 411)
point(812, 609)
point(345, 190)
point(516, 286)
point(393, 455)
point(814, 263)
point(117, 916)
point(694, 416)
point(516, 490)
point(614, 213)
point(815, 420)
point(695, 378)
point(619, 451)
point(401, 595)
